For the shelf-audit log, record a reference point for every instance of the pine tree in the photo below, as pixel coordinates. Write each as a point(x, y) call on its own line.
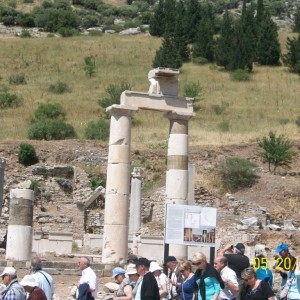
point(297, 20)
point(191, 19)
point(167, 55)
point(157, 22)
point(268, 48)
point(170, 17)
point(292, 57)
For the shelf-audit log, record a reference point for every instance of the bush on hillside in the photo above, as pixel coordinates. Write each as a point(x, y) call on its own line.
point(59, 88)
point(237, 173)
point(240, 75)
point(97, 130)
point(51, 130)
point(90, 65)
point(193, 90)
point(50, 111)
point(18, 78)
point(27, 155)
point(97, 181)
point(9, 100)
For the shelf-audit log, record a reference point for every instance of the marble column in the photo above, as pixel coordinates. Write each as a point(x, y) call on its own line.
point(135, 200)
point(2, 167)
point(115, 237)
point(177, 177)
point(191, 191)
point(19, 235)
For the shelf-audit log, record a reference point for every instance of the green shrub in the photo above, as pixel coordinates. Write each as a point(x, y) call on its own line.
point(90, 65)
point(25, 34)
point(27, 155)
point(298, 121)
point(219, 108)
point(237, 173)
point(98, 130)
point(193, 90)
point(95, 33)
point(50, 111)
point(51, 130)
point(18, 78)
point(200, 60)
point(96, 182)
point(240, 75)
point(28, 1)
point(114, 91)
point(224, 126)
point(67, 32)
point(9, 100)
point(276, 151)
point(59, 88)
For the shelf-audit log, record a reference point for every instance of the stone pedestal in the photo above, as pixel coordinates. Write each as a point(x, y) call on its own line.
point(135, 200)
point(2, 167)
point(177, 177)
point(115, 238)
point(19, 235)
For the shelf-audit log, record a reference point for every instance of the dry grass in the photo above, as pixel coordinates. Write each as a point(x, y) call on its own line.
point(254, 107)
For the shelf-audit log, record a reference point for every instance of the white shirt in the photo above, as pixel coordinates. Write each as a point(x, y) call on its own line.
point(48, 287)
point(138, 292)
point(88, 276)
point(163, 279)
point(229, 275)
point(173, 291)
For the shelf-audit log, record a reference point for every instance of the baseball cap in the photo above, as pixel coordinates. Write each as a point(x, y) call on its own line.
point(28, 280)
point(9, 271)
point(117, 271)
point(169, 259)
point(240, 247)
point(154, 266)
point(143, 261)
point(131, 269)
point(281, 247)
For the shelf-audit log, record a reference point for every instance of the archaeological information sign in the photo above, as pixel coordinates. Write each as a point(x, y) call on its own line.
point(190, 225)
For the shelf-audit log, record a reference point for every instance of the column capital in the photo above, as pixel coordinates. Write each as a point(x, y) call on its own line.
point(137, 172)
point(179, 115)
point(2, 162)
point(122, 110)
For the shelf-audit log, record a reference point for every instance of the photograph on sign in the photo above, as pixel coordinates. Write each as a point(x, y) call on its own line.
point(190, 225)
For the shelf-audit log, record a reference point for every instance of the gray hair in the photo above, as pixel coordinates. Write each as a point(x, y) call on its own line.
point(36, 264)
point(85, 260)
point(248, 273)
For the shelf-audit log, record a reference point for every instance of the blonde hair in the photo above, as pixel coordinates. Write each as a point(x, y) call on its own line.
point(248, 273)
point(186, 265)
point(198, 257)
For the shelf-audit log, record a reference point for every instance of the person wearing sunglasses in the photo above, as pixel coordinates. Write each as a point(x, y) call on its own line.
point(255, 289)
point(187, 287)
point(208, 281)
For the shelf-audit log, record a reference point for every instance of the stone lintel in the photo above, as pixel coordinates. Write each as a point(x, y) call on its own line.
point(163, 72)
point(122, 110)
point(158, 102)
point(179, 115)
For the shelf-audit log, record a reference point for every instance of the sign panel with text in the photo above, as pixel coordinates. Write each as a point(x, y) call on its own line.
point(190, 225)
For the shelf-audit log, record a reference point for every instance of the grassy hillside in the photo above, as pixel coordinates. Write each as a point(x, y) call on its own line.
point(269, 101)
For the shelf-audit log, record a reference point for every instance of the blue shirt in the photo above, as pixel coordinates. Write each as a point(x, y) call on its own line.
point(264, 273)
point(212, 286)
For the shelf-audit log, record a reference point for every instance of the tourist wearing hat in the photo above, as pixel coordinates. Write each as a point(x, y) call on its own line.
point(30, 286)
point(134, 278)
point(125, 289)
point(161, 278)
point(237, 261)
point(175, 277)
point(13, 290)
point(285, 262)
point(148, 288)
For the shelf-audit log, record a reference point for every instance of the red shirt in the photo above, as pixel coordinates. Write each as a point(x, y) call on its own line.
point(37, 294)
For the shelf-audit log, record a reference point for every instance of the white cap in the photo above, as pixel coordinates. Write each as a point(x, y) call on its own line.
point(9, 271)
point(131, 269)
point(154, 266)
point(28, 280)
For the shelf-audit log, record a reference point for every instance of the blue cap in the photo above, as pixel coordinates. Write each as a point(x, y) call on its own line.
point(117, 271)
point(281, 247)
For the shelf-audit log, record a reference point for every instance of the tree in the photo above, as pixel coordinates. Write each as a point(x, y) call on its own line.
point(268, 47)
point(191, 19)
point(167, 55)
point(292, 57)
point(297, 20)
point(276, 151)
point(157, 25)
point(90, 65)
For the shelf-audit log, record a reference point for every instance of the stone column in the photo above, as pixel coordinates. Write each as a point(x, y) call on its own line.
point(135, 200)
point(115, 237)
point(2, 167)
point(177, 177)
point(191, 191)
point(19, 235)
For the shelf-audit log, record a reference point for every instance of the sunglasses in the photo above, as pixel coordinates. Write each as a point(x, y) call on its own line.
point(3, 276)
point(181, 271)
point(197, 264)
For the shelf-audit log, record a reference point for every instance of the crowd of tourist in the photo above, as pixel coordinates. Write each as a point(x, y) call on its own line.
point(231, 277)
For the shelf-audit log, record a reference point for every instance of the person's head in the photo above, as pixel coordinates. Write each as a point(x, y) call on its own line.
point(155, 268)
point(83, 263)
point(132, 273)
point(220, 263)
point(142, 266)
point(118, 274)
point(29, 283)
point(131, 259)
point(171, 262)
point(199, 260)
point(249, 276)
point(36, 264)
point(239, 248)
point(185, 268)
point(282, 250)
point(8, 274)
